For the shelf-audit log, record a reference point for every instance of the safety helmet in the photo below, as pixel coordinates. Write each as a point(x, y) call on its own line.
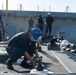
point(36, 32)
point(49, 13)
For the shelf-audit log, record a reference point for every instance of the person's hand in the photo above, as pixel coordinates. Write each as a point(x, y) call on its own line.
point(33, 62)
point(39, 59)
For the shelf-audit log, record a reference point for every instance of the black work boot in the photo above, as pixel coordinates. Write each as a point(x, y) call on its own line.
point(26, 65)
point(9, 64)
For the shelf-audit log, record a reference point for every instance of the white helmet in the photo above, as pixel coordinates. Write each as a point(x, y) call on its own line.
point(49, 13)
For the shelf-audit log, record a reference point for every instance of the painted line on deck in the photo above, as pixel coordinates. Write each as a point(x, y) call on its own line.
point(62, 63)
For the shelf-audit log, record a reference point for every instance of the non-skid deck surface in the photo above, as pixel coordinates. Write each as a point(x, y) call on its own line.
point(49, 60)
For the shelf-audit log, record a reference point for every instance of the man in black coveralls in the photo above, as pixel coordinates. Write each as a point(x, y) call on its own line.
point(23, 44)
point(49, 21)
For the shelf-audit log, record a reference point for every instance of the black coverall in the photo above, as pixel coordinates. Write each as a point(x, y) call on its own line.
point(49, 21)
point(18, 45)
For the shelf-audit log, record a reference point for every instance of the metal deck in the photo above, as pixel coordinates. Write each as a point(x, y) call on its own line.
point(56, 61)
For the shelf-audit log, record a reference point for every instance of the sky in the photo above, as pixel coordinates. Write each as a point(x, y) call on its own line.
point(40, 5)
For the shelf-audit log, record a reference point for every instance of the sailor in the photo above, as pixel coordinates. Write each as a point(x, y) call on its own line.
point(23, 44)
point(49, 21)
point(40, 22)
point(31, 22)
